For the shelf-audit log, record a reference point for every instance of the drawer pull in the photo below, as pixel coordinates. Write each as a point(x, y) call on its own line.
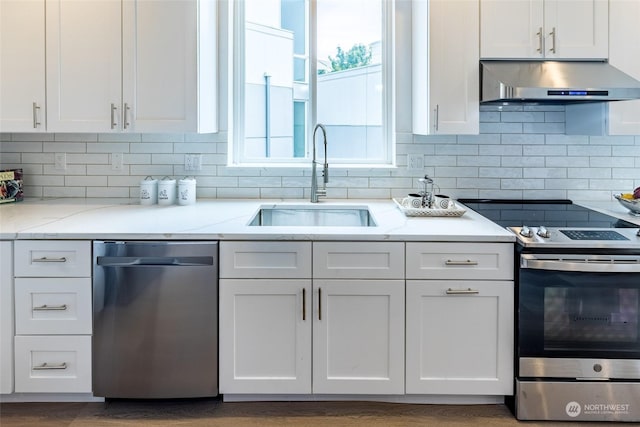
point(45, 259)
point(465, 262)
point(50, 307)
point(467, 291)
point(45, 367)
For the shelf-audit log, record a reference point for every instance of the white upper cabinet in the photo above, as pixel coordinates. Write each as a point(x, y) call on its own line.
point(445, 52)
point(22, 59)
point(624, 53)
point(550, 29)
point(169, 66)
point(84, 65)
point(111, 66)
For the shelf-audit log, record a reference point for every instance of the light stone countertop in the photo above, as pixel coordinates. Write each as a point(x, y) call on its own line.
point(216, 219)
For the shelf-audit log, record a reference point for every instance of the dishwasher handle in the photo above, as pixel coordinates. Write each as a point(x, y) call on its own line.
point(135, 261)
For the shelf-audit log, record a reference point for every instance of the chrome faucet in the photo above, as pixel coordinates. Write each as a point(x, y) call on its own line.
point(315, 191)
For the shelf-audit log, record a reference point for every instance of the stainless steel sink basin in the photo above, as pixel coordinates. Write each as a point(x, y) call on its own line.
point(313, 216)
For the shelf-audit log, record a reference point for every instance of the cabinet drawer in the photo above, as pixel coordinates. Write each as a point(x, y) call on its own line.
point(460, 261)
point(358, 260)
point(48, 258)
point(265, 260)
point(45, 364)
point(53, 306)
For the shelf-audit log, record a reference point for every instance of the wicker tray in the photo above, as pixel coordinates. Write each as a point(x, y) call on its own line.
point(428, 212)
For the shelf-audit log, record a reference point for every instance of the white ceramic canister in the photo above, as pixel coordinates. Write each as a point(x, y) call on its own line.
point(166, 191)
point(187, 191)
point(149, 191)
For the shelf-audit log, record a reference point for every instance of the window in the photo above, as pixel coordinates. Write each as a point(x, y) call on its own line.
point(302, 62)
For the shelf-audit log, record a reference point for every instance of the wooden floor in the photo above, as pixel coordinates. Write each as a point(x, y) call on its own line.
point(214, 413)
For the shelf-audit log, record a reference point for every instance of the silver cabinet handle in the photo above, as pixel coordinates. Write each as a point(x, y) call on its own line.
point(113, 116)
point(46, 366)
point(553, 40)
point(36, 123)
point(304, 304)
point(540, 39)
point(436, 117)
point(467, 291)
point(460, 262)
point(126, 115)
point(50, 308)
point(45, 259)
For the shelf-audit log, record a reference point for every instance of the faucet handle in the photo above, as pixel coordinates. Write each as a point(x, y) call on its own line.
point(321, 192)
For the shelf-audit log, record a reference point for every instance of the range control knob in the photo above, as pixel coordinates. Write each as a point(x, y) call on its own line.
point(597, 367)
point(543, 232)
point(526, 231)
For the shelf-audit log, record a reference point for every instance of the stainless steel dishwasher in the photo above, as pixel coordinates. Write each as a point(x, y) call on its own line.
point(155, 319)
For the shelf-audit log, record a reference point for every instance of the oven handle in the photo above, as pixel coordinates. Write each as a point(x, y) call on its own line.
point(582, 263)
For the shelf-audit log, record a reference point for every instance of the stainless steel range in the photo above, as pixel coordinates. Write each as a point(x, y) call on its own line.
point(577, 310)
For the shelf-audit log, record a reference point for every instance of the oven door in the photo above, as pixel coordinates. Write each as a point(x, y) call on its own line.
point(579, 306)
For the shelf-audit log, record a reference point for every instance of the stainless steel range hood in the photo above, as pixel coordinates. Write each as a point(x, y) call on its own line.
point(554, 82)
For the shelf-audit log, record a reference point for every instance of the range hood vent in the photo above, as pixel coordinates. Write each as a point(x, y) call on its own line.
point(554, 82)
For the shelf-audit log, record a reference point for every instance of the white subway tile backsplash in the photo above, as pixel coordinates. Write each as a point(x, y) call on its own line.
point(521, 152)
point(568, 162)
point(578, 172)
point(544, 172)
point(500, 172)
point(521, 161)
point(543, 127)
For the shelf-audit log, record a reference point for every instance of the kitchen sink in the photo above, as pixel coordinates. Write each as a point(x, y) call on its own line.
point(313, 216)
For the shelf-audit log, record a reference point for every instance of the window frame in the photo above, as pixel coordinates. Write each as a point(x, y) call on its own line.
point(236, 72)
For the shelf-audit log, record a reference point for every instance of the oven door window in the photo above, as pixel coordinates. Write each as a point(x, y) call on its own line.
point(578, 314)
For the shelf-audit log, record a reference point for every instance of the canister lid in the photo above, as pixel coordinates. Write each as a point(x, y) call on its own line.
point(167, 181)
point(189, 180)
point(148, 180)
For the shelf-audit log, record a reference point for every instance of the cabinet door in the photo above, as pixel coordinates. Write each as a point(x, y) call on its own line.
point(6, 317)
point(511, 29)
point(22, 56)
point(445, 69)
point(576, 29)
point(265, 336)
point(84, 65)
point(624, 53)
point(459, 337)
point(163, 68)
point(358, 337)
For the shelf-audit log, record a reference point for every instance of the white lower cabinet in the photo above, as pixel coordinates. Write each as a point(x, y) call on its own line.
point(53, 317)
point(459, 337)
point(358, 337)
point(265, 336)
point(60, 364)
point(295, 335)
point(362, 320)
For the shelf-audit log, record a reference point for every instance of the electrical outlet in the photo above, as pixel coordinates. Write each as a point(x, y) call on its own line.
point(116, 161)
point(60, 161)
point(415, 162)
point(192, 162)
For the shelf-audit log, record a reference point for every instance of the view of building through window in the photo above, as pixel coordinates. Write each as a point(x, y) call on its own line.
point(283, 89)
